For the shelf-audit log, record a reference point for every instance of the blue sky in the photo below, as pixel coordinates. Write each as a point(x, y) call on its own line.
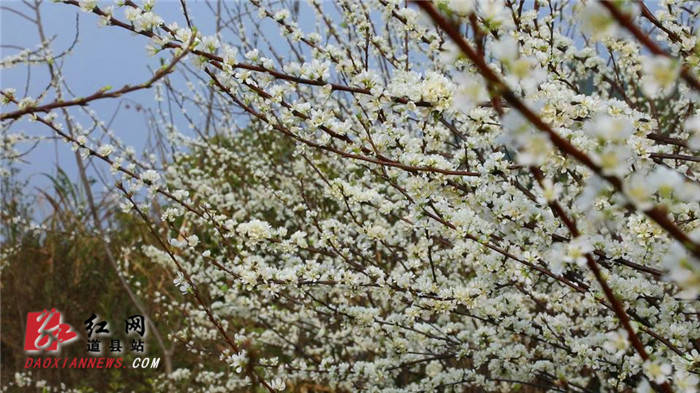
point(103, 56)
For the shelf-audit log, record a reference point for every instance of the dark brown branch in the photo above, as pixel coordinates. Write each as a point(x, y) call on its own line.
point(681, 157)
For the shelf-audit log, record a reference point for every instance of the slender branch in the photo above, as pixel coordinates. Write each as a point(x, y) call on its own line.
point(98, 95)
point(681, 157)
point(651, 18)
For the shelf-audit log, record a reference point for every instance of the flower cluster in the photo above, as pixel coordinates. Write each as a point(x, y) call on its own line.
point(385, 207)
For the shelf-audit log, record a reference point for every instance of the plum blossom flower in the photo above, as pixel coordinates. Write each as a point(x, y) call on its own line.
point(505, 49)
point(533, 146)
point(105, 150)
point(181, 283)
point(597, 21)
point(7, 95)
point(577, 249)
point(87, 5)
point(255, 230)
point(281, 15)
point(660, 75)
point(470, 91)
point(150, 176)
point(683, 269)
point(210, 43)
point(616, 342)
point(665, 181)
point(555, 258)
point(614, 160)
point(183, 35)
point(657, 372)
point(433, 368)
point(437, 89)
point(606, 127)
point(147, 21)
point(461, 7)
point(106, 17)
point(495, 14)
point(238, 361)
point(515, 123)
point(177, 243)
point(686, 382)
point(132, 13)
point(278, 384)
point(229, 54)
point(693, 126)
point(550, 190)
point(26, 102)
point(639, 191)
point(192, 240)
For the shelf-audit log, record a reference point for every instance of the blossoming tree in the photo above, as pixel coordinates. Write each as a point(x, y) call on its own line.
point(429, 196)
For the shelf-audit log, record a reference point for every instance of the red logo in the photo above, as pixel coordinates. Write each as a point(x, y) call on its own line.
point(46, 330)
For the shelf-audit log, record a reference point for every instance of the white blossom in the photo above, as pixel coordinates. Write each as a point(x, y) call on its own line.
point(617, 342)
point(181, 283)
point(150, 176)
point(88, 5)
point(105, 150)
point(358, 201)
point(255, 229)
point(461, 7)
point(660, 75)
point(657, 372)
point(597, 21)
